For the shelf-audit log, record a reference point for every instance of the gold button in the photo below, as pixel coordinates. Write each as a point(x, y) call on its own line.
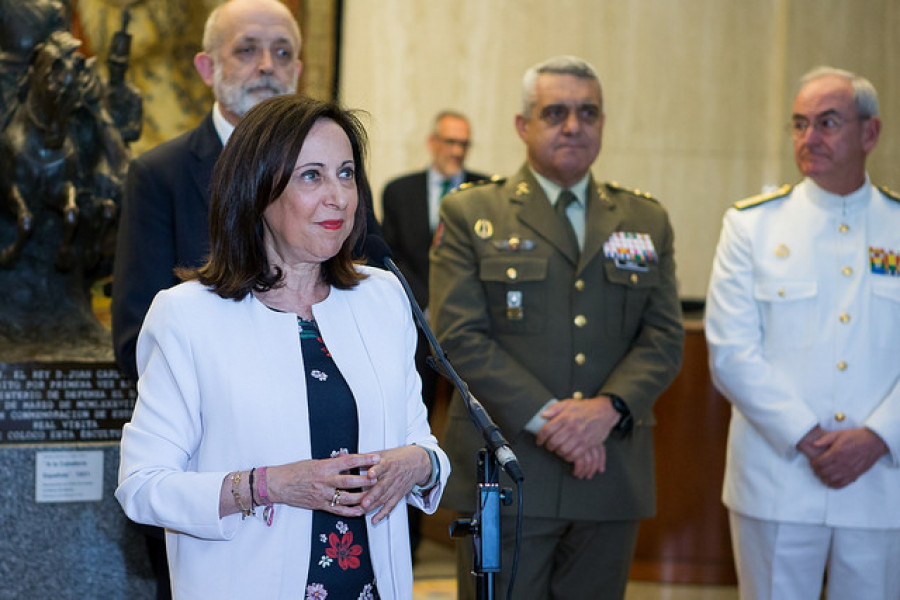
point(847, 271)
point(578, 395)
point(579, 284)
point(839, 417)
point(781, 292)
point(580, 359)
point(580, 321)
point(634, 278)
point(844, 228)
point(512, 273)
point(845, 318)
point(842, 365)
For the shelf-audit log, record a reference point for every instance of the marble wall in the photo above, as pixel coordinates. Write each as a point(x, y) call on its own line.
point(697, 92)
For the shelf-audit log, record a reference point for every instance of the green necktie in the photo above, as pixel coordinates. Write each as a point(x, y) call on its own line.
point(566, 197)
point(446, 186)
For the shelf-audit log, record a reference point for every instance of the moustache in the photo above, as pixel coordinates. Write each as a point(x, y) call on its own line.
point(266, 83)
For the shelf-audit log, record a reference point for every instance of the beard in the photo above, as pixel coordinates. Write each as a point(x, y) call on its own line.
point(240, 97)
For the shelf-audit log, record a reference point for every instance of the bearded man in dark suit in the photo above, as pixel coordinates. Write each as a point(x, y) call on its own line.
point(410, 202)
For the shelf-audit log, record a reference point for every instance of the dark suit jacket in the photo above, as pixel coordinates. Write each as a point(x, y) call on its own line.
point(587, 327)
point(406, 229)
point(165, 224)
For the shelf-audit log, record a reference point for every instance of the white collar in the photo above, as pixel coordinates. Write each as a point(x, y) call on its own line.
point(223, 127)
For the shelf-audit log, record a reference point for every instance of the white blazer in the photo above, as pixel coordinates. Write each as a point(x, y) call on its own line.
point(222, 388)
point(804, 330)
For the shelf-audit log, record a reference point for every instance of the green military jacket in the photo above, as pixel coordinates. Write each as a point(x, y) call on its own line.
point(524, 319)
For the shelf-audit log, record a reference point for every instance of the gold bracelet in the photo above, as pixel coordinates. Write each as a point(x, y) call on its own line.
point(236, 492)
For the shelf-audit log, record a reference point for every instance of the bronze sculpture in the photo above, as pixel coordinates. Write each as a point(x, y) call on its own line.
point(62, 164)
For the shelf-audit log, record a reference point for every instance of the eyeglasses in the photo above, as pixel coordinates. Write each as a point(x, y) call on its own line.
point(464, 144)
point(826, 124)
point(557, 114)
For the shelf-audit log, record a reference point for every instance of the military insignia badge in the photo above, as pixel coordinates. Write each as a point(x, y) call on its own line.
point(631, 251)
point(884, 262)
point(514, 311)
point(484, 229)
point(514, 244)
point(522, 189)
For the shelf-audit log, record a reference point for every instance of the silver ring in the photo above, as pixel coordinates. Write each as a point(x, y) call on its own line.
point(336, 499)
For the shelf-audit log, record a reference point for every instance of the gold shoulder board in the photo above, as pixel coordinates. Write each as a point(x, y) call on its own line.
point(497, 179)
point(763, 198)
point(889, 193)
point(613, 185)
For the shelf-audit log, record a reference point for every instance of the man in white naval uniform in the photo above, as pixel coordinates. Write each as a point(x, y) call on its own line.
point(803, 326)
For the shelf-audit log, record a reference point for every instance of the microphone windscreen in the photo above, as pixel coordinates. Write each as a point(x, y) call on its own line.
point(376, 249)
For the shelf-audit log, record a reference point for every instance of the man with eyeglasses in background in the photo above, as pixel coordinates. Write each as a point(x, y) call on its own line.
point(803, 326)
point(554, 296)
point(410, 206)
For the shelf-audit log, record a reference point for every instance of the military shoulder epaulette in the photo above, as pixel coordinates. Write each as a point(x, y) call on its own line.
point(889, 193)
point(621, 188)
point(497, 179)
point(763, 198)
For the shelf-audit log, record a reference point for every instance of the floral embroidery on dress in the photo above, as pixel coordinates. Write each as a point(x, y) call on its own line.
point(316, 591)
point(334, 431)
point(324, 348)
point(344, 550)
point(368, 593)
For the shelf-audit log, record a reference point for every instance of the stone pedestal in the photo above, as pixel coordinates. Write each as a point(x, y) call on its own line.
point(62, 533)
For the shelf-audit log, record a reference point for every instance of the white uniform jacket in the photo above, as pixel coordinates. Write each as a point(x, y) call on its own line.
point(803, 327)
point(222, 388)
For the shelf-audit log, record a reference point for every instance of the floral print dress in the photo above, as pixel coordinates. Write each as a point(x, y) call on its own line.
point(340, 566)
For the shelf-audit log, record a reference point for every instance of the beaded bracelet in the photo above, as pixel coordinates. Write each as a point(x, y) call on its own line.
point(263, 491)
point(236, 492)
point(435, 472)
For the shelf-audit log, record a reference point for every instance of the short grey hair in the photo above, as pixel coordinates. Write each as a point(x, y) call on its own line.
point(864, 94)
point(558, 65)
point(448, 113)
point(212, 32)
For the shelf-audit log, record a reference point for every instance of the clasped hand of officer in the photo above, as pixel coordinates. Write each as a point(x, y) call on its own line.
point(576, 431)
point(838, 458)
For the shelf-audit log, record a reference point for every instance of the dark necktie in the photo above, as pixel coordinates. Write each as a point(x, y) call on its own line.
point(446, 186)
point(566, 197)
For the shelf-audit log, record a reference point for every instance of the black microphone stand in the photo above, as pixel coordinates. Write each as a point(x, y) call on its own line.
point(484, 526)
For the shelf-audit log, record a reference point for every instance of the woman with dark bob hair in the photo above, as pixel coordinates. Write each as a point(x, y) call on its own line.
point(279, 430)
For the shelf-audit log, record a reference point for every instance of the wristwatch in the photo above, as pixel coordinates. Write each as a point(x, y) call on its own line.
point(626, 421)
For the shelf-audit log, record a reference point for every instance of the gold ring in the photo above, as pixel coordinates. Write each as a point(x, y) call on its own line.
point(336, 499)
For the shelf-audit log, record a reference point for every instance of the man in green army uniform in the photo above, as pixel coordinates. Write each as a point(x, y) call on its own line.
point(555, 299)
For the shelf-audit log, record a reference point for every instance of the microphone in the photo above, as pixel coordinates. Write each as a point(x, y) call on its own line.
point(378, 252)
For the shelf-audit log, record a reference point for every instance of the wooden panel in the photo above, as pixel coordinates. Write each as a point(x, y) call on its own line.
point(688, 541)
